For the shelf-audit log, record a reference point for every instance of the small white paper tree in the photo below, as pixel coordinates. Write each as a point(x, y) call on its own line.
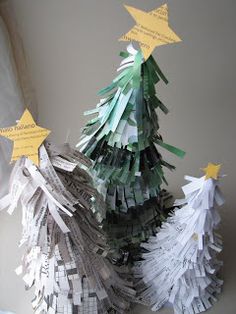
point(181, 266)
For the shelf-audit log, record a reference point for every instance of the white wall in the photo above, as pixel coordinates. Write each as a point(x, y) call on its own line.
point(72, 48)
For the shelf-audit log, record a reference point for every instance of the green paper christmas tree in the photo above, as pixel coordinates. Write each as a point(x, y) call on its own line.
point(123, 141)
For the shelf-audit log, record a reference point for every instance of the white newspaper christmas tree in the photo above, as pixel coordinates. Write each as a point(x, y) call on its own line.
point(180, 266)
point(65, 247)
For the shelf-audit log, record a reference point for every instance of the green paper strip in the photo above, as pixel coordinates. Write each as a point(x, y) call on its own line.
point(178, 152)
point(162, 106)
point(158, 70)
point(121, 75)
point(124, 54)
point(107, 89)
point(92, 111)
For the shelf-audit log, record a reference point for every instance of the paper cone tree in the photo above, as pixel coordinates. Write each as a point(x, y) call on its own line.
point(65, 248)
point(123, 140)
point(181, 265)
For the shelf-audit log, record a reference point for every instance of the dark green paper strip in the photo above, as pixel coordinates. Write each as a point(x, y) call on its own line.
point(177, 151)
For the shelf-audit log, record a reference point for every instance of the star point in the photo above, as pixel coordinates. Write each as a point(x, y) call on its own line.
point(212, 171)
point(152, 29)
point(27, 137)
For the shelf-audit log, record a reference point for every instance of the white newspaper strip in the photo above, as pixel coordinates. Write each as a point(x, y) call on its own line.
point(5, 201)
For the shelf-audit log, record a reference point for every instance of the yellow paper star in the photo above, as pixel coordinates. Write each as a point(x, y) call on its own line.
point(211, 171)
point(27, 137)
point(152, 29)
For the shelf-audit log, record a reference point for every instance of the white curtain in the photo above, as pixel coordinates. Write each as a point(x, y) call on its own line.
point(11, 101)
point(15, 88)
point(18, 54)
